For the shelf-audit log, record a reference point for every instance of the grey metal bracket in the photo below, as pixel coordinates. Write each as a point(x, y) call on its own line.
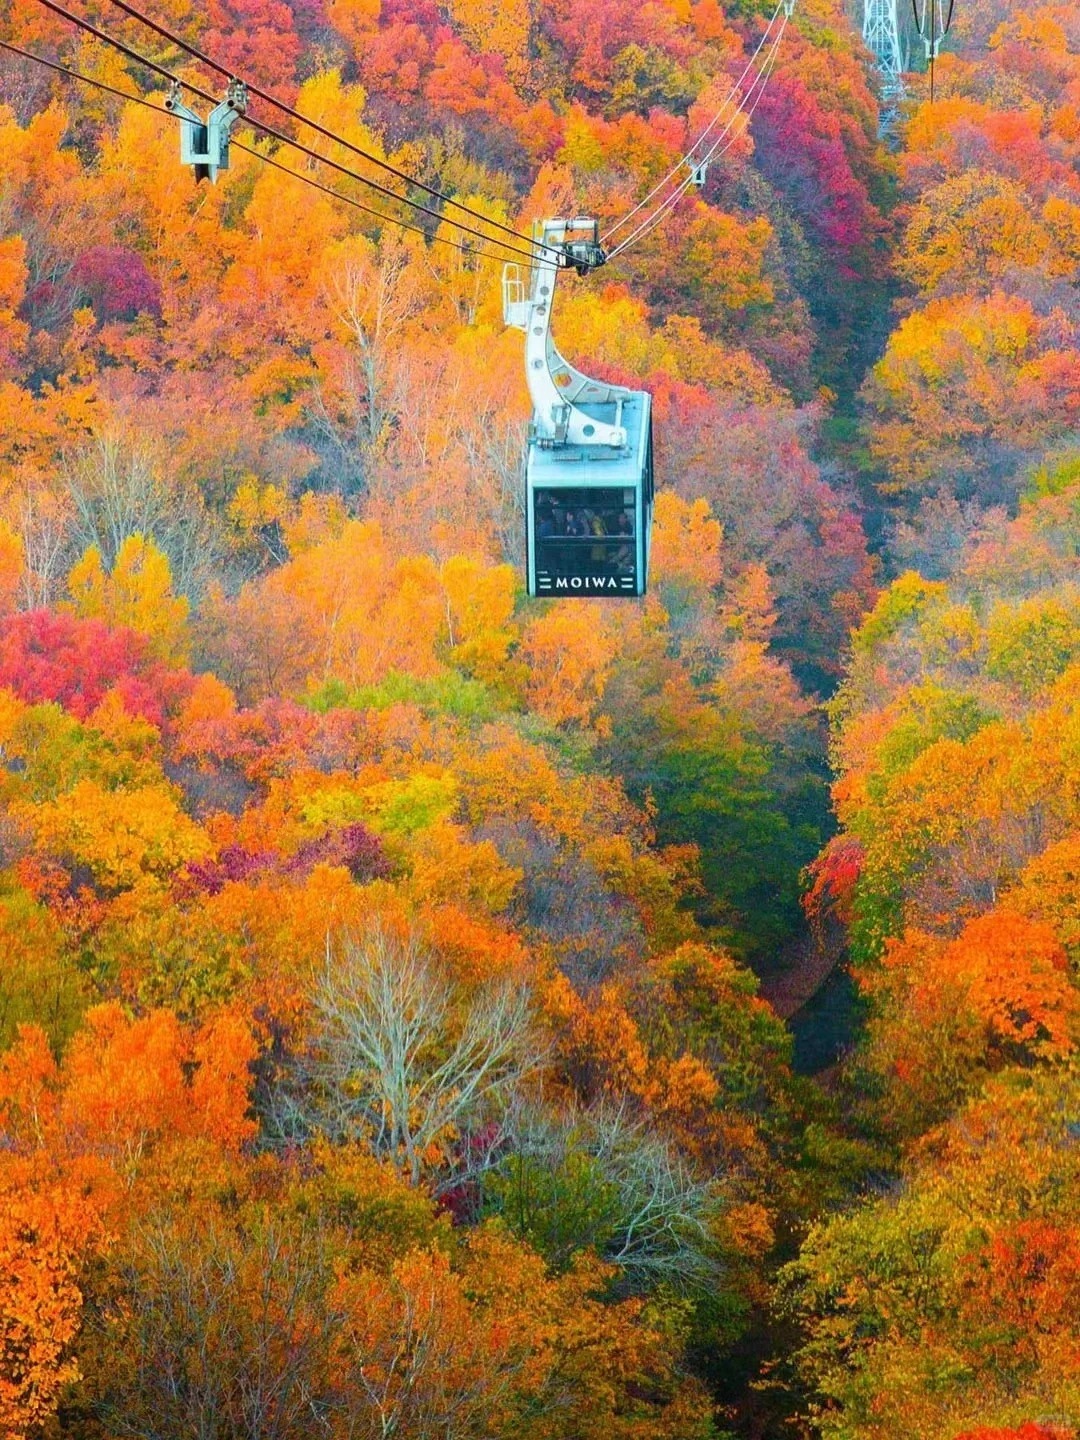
point(204, 144)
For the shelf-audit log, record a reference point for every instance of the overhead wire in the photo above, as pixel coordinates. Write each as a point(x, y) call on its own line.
point(86, 79)
point(537, 253)
point(282, 137)
point(932, 10)
point(648, 226)
point(204, 59)
point(717, 149)
point(108, 89)
point(720, 146)
point(688, 158)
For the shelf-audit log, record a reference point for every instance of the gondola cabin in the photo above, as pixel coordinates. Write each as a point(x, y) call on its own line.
point(589, 468)
point(589, 512)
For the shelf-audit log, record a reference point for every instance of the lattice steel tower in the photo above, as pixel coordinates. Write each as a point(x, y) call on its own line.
point(881, 32)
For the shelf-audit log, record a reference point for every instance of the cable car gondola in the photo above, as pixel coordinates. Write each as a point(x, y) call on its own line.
point(589, 468)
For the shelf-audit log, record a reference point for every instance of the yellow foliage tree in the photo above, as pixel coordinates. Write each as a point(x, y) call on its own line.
point(123, 836)
point(687, 544)
point(13, 331)
point(501, 26)
point(41, 1236)
point(480, 608)
point(570, 654)
point(137, 593)
point(12, 565)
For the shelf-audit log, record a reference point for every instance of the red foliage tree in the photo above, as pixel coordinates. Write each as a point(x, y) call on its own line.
point(116, 283)
point(46, 656)
point(1029, 1430)
point(256, 39)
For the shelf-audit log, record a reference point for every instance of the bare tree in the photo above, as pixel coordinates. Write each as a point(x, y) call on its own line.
point(496, 447)
point(602, 1178)
point(25, 88)
point(119, 486)
point(374, 301)
point(404, 1064)
point(664, 1230)
point(372, 295)
point(212, 1331)
point(45, 524)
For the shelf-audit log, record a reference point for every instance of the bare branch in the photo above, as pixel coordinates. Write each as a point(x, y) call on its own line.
point(409, 1066)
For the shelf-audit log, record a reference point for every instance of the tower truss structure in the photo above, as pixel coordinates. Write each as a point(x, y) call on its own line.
point(881, 33)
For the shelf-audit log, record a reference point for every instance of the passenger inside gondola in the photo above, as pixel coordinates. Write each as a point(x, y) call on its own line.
point(583, 533)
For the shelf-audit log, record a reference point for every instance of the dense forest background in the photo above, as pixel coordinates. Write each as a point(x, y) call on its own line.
point(431, 1014)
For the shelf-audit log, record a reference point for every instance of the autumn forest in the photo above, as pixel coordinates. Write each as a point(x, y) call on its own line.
point(432, 1013)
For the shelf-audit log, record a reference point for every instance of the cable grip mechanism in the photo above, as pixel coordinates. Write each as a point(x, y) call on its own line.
point(204, 144)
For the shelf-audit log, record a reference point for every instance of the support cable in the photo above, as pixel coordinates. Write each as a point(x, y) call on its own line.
point(720, 146)
point(280, 135)
point(689, 158)
point(196, 54)
point(97, 84)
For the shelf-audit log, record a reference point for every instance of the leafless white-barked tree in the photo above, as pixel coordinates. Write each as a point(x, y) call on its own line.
point(404, 1061)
